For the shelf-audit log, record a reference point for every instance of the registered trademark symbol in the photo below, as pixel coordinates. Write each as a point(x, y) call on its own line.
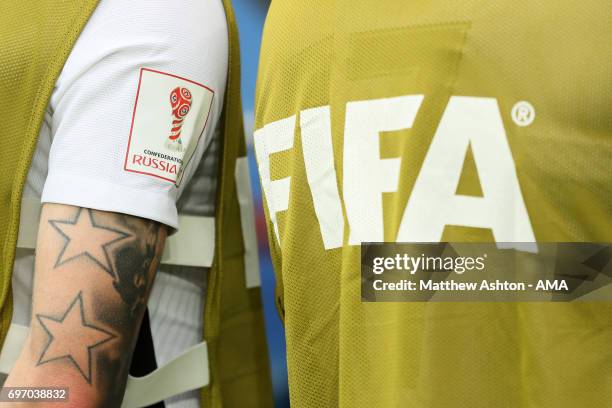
point(523, 113)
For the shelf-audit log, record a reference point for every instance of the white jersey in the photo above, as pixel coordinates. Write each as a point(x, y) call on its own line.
point(132, 127)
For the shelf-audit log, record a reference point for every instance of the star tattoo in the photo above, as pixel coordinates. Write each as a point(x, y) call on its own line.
point(85, 238)
point(72, 338)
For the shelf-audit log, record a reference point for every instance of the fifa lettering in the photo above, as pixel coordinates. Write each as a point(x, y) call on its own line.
point(366, 175)
point(467, 122)
point(321, 174)
point(273, 138)
point(476, 123)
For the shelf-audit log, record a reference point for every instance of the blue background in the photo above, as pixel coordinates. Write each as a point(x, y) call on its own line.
point(251, 15)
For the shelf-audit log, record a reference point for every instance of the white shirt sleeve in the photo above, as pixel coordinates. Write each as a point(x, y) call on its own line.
point(138, 98)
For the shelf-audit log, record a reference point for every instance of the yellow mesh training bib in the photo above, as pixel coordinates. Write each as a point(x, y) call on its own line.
point(427, 121)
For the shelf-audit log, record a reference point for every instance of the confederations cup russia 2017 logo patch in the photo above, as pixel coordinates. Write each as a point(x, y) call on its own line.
point(170, 118)
point(180, 101)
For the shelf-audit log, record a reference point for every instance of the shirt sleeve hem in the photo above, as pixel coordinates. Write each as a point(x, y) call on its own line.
point(105, 196)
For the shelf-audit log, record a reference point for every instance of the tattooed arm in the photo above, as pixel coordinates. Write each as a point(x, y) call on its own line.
point(94, 272)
